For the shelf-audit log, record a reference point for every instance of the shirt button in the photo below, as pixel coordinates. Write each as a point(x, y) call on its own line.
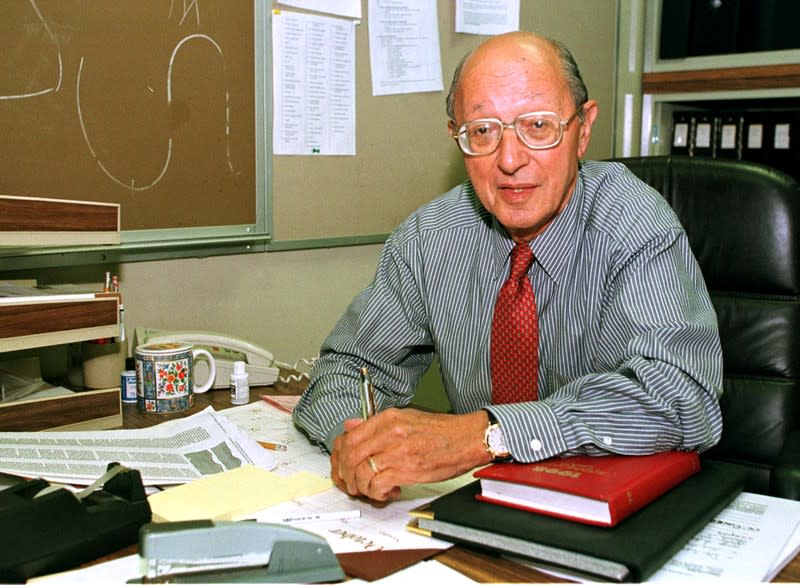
point(607, 440)
point(536, 444)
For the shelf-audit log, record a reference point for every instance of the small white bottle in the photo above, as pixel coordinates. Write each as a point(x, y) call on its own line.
point(240, 384)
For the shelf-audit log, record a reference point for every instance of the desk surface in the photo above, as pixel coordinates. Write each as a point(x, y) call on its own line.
point(483, 568)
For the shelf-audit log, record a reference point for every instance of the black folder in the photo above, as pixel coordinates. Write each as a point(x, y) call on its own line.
point(728, 138)
point(784, 143)
point(701, 141)
point(631, 551)
point(682, 130)
point(757, 136)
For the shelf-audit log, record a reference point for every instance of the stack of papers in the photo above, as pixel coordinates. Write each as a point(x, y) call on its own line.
point(751, 540)
point(171, 453)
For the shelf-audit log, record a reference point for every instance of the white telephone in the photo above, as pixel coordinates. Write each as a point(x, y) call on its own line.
point(226, 349)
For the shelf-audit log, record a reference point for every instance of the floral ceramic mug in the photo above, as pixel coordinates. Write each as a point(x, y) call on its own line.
point(165, 376)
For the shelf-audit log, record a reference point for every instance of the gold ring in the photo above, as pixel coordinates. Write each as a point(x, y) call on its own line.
point(372, 464)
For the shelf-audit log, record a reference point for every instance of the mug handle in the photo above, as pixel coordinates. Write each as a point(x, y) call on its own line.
point(212, 370)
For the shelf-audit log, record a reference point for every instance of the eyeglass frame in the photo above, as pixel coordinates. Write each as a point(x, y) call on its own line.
point(562, 124)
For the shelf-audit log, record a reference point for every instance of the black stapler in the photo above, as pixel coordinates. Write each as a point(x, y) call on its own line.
point(44, 528)
point(204, 551)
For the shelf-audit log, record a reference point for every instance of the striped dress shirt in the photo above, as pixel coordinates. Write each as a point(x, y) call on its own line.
point(629, 352)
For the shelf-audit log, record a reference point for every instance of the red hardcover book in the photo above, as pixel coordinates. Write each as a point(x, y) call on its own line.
point(593, 490)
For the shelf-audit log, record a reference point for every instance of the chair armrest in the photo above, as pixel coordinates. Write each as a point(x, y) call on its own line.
point(785, 476)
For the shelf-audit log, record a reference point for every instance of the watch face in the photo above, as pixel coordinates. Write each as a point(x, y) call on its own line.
point(496, 441)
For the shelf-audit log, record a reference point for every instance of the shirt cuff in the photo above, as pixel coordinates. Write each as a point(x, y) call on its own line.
point(531, 430)
point(335, 432)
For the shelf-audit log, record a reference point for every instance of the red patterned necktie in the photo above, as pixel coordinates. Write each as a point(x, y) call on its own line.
point(515, 334)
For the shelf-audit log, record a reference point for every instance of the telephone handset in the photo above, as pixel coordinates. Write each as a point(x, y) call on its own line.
point(226, 349)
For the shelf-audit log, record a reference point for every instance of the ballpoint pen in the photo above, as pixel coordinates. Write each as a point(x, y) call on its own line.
point(367, 395)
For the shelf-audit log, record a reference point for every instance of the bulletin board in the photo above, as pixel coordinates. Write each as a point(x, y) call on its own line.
point(145, 103)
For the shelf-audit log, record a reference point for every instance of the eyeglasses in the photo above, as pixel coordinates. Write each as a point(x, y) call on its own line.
point(536, 130)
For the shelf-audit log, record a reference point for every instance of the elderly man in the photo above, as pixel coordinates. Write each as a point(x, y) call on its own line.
point(567, 310)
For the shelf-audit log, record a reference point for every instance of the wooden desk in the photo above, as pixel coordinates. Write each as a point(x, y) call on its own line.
point(481, 567)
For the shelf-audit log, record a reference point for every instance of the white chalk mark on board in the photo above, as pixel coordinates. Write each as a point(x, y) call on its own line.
point(188, 6)
point(57, 86)
point(94, 154)
point(131, 186)
point(227, 94)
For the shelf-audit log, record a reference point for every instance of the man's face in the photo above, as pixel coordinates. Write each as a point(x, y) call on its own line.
point(525, 189)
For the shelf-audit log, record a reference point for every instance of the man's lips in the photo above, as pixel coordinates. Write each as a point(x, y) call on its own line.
point(513, 192)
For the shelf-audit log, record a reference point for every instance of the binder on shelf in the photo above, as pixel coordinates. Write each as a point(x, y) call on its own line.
point(756, 136)
point(728, 135)
point(754, 131)
point(784, 142)
point(701, 141)
point(681, 132)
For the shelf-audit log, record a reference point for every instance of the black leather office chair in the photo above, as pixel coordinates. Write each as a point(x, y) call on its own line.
point(743, 223)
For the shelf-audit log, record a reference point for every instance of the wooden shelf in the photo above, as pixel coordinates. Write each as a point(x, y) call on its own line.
point(36, 221)
point(725, 79)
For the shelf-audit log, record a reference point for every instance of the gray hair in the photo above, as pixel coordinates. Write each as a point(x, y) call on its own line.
point(569, 67)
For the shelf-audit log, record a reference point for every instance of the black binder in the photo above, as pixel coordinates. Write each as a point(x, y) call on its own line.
point(728, 135)
point(701, 141)
point(757, 136)
point(681, 132)
point(784, 144)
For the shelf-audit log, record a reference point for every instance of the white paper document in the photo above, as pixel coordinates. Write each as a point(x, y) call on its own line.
point(404, 46)
point(487, 17)
point(375, 527)
point(745, 543)
point(264, 422)
point(313, 66)
point(173, 452)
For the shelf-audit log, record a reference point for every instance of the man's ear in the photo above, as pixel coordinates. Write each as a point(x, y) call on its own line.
point(590, 111)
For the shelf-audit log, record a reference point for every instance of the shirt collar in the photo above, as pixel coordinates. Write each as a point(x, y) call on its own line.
point(551, 248)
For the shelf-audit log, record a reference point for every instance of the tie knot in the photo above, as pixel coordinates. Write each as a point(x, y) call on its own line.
point(521, 260)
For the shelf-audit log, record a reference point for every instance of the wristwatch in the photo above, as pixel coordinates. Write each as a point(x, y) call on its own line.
point(495, 440)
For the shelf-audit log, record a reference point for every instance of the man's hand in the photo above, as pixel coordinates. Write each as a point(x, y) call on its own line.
point(406, 446)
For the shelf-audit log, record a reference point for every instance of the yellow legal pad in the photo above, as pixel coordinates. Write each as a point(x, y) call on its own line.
point(232, 495)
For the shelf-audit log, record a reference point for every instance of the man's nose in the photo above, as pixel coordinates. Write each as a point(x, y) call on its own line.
point(512, 154)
